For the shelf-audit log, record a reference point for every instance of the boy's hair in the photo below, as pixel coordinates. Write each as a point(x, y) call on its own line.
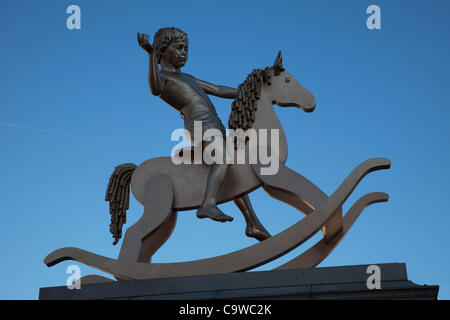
point(163, 37)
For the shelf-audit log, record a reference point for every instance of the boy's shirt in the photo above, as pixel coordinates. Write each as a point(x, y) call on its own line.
point(191, 100)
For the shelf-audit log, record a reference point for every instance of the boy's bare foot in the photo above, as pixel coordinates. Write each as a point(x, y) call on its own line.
point(257, 232)
point(212, 212)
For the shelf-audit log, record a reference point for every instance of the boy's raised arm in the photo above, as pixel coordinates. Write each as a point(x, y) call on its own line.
point(154, 79)
point(218, 91)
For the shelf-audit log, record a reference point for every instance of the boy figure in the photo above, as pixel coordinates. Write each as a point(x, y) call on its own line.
point(188, 95)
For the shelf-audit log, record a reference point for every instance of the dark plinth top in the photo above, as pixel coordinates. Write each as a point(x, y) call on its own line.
point(346, 282)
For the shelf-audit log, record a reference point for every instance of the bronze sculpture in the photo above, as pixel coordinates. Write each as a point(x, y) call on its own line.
point(188, 95)
point(165, 188)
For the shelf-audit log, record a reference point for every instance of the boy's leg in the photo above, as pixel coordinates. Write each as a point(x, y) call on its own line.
point(208, 208)
point(216, 177)
point(254, 227)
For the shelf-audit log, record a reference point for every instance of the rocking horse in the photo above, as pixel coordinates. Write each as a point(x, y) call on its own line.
point(165, 189)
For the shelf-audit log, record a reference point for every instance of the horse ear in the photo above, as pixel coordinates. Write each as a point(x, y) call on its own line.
point(279, 60)
point(278, 64)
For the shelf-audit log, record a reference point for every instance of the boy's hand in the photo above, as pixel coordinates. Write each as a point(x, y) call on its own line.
point(143, 42)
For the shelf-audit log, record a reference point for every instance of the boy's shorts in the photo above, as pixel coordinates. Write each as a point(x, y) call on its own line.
point(209, 120)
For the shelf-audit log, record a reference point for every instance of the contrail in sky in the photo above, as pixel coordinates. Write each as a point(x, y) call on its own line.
point(33, 129)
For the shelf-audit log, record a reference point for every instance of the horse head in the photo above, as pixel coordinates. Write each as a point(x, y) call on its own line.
point(287, 91)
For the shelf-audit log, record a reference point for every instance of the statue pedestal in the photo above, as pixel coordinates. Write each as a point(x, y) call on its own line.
point(346, 282)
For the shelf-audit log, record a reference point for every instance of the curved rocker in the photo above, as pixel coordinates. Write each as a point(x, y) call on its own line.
point(322, 213)
point(317, 253)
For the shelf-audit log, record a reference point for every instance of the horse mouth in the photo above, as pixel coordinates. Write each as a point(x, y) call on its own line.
point(304, 107)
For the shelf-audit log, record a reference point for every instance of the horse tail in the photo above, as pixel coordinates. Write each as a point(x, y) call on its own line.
point(118, 195)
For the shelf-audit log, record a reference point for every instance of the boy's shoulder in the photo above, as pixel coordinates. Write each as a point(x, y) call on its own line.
point(170, 74)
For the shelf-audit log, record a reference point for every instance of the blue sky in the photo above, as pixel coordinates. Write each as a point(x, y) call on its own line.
point(75, 103)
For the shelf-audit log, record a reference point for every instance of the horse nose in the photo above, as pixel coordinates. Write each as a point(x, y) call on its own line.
point(311, 104)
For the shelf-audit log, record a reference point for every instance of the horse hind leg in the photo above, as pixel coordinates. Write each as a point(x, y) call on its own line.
point(152, 230)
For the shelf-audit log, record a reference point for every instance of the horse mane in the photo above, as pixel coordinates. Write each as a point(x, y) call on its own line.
point(243, 108)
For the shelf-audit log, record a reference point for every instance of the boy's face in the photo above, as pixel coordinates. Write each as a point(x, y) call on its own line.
point(176, 53)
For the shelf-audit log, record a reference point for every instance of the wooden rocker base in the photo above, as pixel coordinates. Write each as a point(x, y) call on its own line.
point(322, 214)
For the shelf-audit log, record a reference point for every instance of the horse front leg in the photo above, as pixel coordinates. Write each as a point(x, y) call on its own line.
point(295, 190)
point(254, 227)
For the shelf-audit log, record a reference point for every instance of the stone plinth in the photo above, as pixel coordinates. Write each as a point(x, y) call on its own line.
point(346, 282)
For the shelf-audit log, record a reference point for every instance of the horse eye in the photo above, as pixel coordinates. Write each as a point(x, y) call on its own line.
point(287, 80)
